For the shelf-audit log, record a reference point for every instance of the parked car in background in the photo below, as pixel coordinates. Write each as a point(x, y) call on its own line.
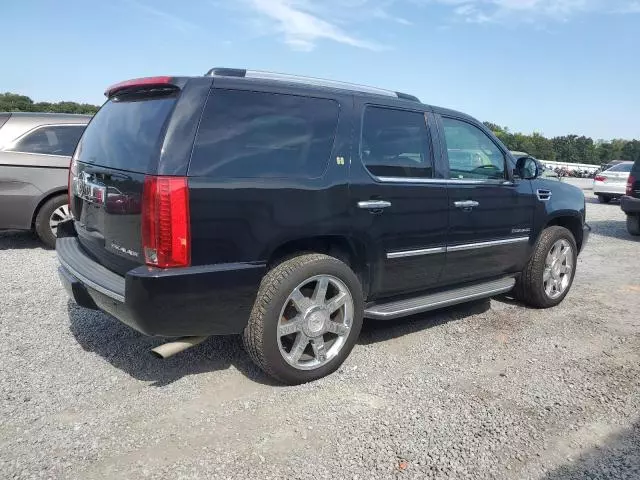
point(630, 202)
point(544, 172)
point(612, 183)
point(35, 151)
point(243, 203)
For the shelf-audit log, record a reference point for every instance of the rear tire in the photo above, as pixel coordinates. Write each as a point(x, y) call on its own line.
point(275, 308)
point(633, 224)
point(604, 198)
point(533, 287)
point(55, 209)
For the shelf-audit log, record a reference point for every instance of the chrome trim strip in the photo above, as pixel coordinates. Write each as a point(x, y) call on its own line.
point(492, 243)
point(92, 284)
point(456, 248)
point(441, 181)
point(415, 253)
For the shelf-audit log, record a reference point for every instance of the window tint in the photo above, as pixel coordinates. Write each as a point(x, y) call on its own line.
point(126, 133)
point(395, 143)
point(254, 134)
point(50, 140)
point(472, 154)
point(621, 167)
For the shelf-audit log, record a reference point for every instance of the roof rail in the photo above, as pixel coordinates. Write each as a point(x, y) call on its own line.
point(320, 82)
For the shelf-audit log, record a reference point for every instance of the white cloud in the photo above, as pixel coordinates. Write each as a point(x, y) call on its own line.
point(167, 18)
point(483, 11)
point(303, 24)
point(302, 28)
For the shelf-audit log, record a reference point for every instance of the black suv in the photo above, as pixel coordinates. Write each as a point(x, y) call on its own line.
point(630, 203)
point(286, 209)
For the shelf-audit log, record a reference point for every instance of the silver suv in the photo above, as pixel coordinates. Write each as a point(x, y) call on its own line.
point(35, 151)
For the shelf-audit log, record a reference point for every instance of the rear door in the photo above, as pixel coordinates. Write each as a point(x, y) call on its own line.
point(134, 134)
point(490, 213)
point(400, 204)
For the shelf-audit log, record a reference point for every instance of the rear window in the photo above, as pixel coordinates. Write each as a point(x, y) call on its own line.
point(254, 134)
point(126, 134)
point(621, 167)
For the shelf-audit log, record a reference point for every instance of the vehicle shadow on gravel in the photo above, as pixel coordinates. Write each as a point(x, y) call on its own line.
point(612, 229)
point(374, 331)
point(130, 351)
point(17, 240)
point(619, 458)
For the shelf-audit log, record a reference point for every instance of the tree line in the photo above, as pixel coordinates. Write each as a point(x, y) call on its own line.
point(13, 102)
point(568, 148)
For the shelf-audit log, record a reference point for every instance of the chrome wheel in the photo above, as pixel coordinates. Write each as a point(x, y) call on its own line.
point(558, 269)
point(60, 214)
point(315, 322)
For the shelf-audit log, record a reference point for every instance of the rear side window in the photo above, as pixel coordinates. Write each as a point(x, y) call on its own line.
point(395, 143)
point(126, 134)
point(255, 134)
point(50, 140)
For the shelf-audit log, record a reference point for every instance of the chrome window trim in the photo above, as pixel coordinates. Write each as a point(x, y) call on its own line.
point(456, 248)
point(442, 181)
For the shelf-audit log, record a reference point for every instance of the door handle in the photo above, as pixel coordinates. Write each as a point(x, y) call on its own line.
point(374, 204)
point(466, 204)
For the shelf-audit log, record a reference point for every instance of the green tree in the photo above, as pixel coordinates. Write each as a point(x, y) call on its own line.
point(13, 102)
point(631, 150)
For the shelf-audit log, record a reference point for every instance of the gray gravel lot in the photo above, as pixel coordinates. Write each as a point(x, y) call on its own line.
point(487, 390)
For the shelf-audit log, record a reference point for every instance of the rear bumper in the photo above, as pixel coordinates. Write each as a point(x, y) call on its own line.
point(609, 188)
point(202, 300)
point(630, 204)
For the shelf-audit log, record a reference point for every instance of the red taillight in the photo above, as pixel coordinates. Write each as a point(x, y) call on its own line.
point(165, 222)
point(600, 178)
point(630, 182)
point(137, 82)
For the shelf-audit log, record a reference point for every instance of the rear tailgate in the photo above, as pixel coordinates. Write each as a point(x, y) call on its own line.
point(120, 146)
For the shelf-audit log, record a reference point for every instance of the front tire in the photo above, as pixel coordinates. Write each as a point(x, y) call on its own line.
point(306, 318)
point(633, 223)
point(54, 211)
point(604, 198)
point(548, 276)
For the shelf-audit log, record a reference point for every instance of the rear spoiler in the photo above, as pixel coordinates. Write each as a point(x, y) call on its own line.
point(144, 83)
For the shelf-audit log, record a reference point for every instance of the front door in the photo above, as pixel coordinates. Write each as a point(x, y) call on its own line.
point(400, 211)
point(490, 213)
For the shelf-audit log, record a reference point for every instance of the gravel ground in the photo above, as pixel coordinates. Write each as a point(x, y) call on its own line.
point(487, 390)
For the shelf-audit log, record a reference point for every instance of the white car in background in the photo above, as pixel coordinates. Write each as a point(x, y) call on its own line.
point(612, 183)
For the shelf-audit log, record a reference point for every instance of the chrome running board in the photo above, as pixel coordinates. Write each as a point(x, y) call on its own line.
point(424, 303)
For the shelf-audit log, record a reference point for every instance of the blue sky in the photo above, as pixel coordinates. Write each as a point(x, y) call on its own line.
point(552, 66)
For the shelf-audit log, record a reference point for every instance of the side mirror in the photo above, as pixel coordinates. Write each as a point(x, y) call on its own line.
point(527, 168)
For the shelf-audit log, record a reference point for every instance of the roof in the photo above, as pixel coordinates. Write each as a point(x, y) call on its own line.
point(48, 115)
point(307, 81)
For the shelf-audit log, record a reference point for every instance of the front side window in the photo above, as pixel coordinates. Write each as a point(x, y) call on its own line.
point(472, 154)
point(50, 140)
point(395, 143)
point(256, 134)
